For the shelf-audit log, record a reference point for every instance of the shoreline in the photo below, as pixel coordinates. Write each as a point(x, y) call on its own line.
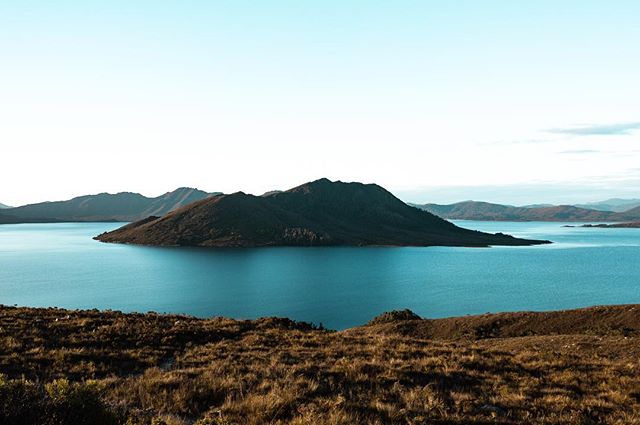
point(595, 309)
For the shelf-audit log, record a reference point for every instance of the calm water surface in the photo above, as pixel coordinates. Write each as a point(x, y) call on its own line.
point(60, 265)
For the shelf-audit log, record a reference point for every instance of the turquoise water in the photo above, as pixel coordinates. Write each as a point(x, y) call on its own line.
point(60, 265)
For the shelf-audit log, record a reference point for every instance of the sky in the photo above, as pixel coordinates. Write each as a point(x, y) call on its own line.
point(437, 101)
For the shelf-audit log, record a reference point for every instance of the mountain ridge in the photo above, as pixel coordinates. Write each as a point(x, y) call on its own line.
point(122, 206)
point(613, 205)
point(485, 211)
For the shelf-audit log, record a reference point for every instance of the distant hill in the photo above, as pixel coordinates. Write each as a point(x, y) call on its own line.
point(123, 206)
point(12, 219)
point(472, 210)
point(317, 213)
point(632, 214)
point(614, 205)
point(538, 206)
point(3, 206)
point(628, 219)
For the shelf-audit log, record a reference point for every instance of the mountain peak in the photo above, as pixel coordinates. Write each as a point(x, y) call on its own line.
point(338, 186)
point(322, 183)
point(186, 189)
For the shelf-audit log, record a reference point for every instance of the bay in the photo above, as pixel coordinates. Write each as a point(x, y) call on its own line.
point(43, 265)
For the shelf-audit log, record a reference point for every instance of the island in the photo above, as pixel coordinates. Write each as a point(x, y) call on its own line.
point(318, 213)
point(632, 225)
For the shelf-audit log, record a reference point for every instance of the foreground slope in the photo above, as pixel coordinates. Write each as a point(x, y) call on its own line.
point(123, 206)
point(567, 367)
point(472, 210)
point(317, 213)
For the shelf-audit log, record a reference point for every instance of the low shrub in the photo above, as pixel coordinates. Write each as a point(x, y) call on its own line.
point(56, 403)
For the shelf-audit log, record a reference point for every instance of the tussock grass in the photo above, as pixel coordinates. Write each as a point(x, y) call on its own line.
point(74, 367)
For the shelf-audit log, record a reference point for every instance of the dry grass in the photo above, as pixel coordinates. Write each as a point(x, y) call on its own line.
point(178, 370)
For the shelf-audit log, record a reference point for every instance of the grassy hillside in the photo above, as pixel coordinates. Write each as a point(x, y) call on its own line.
point(96, 367)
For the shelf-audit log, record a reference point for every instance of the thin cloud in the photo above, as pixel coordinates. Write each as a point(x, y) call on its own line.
point(516, 142)
point(579, 151)
point(599, 130)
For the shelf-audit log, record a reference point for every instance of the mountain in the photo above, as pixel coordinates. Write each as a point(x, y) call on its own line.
point(472, 210)
point(632, 214)
point(614, 205)
point(538, 206)
point(628, 219)
point(317, 213)
point(3, 206)
point(12, 219)
point(123, 206)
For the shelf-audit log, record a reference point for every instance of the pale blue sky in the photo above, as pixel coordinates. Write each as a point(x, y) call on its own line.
point(516, 102)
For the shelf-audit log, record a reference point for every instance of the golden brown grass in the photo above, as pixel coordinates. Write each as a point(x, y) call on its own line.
point(158, 369)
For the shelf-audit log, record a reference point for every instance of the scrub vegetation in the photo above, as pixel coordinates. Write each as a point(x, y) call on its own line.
point(105, 367)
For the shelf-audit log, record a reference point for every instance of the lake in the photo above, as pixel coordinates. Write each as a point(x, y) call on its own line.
point(60, 265)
